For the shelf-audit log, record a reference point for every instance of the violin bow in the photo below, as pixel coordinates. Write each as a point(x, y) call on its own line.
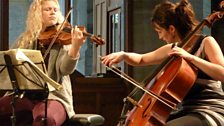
point(58, 32)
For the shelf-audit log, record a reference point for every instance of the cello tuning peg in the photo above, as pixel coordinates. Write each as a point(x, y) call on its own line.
point(221, 6)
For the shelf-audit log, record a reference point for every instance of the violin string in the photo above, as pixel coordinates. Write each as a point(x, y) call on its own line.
point(145, 90)
point(58, 32)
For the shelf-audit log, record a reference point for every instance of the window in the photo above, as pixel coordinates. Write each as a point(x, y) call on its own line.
point(115, 31)
point(115, 34)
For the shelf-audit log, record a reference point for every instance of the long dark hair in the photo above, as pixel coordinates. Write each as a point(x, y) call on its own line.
point(180, 15)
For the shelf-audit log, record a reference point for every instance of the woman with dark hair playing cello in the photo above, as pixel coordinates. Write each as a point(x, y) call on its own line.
point(203, 105)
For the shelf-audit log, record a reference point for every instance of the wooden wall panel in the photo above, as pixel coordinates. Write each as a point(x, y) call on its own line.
point(4, 24)
point(100, 29)
point(102, 96)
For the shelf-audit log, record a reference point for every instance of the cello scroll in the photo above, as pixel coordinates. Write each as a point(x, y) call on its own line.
point(216, 15)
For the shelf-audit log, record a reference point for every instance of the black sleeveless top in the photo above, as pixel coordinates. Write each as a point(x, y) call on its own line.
point(205, 98)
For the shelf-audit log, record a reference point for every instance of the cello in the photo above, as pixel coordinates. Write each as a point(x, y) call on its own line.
point(163, 90)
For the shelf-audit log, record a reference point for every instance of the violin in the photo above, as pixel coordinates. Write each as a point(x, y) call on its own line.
point(64, 37)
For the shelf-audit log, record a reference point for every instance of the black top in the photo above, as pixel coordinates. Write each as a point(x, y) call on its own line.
point(206, 99)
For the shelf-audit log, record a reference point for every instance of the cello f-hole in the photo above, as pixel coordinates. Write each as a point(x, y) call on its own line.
point(144, 114)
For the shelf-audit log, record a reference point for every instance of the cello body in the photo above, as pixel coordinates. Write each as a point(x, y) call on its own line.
point(173, 83)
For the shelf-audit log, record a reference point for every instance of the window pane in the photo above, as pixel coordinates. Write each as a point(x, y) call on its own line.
point(17, 16)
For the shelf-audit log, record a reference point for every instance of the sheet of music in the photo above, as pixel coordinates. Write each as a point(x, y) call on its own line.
point(29, 69)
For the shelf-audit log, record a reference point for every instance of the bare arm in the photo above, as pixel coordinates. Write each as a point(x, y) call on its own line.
point(214, 67)
point(136, 59)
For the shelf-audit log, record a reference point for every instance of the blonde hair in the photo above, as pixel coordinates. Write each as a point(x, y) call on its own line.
point(34, 24)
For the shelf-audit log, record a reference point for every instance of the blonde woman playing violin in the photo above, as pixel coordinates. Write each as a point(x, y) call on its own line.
point(61, 61)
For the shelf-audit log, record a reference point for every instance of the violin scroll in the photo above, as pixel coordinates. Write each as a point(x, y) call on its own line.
point(97, 39)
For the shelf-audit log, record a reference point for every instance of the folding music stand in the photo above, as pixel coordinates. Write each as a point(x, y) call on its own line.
point(21, 74)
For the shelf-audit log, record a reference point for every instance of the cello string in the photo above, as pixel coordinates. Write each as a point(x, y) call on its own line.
point(139, 84)
point(161, 99)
